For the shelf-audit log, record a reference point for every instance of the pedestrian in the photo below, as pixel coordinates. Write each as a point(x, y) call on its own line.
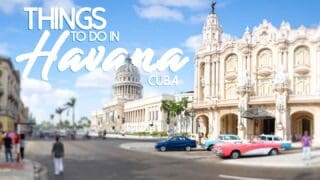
point(58, 154)
point(306, 142)
point(1, 139)
point(8, 147)
point(22, 145)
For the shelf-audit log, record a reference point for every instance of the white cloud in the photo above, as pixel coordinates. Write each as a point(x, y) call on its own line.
point(4, 49)
point(192, 4)
point(159, 12)
point(42, 98)
point(96, 79)
point(65, 4)
point(193, 42)
point(199, 18)
point(10, 6)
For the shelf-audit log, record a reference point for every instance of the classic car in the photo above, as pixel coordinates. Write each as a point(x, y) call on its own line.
point(274, 138)
point(209, 144)
point(235, 151)
point(176, 143)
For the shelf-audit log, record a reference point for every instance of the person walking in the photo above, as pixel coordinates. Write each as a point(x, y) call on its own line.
point(58, 154)
point(22, 145)
point(1, 140)
point(8, 147)
point(306, 142)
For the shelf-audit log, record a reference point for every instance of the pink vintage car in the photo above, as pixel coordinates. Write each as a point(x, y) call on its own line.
point(235, 151)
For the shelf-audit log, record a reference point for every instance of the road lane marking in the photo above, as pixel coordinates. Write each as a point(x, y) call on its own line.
point(240, 178)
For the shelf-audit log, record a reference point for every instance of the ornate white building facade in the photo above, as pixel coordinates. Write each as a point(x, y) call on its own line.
point(268, 81)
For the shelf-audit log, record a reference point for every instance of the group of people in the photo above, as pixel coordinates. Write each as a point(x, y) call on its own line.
point(13, 144)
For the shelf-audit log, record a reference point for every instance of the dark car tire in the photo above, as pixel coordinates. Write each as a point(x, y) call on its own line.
point(188, 148)
point(273, 152)
point(163, 148)
point(235, 155)
point(210, 148)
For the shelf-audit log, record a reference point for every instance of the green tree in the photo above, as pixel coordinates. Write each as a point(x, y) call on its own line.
point(173, 109)
point(71, 104)
point(59, 111)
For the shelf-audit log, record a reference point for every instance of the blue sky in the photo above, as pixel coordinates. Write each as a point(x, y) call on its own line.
point(156, 24)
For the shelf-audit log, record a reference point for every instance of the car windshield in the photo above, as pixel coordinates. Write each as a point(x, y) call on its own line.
point(234, 138)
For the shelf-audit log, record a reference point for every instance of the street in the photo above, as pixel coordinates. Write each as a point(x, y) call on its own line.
point(104, 159)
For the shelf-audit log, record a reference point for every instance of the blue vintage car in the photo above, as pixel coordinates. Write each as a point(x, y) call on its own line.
point(209, 144)
point(176, 143)
point(274, 138)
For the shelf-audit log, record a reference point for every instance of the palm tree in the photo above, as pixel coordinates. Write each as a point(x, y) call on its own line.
point(184, 108)
point(71, 104)
point(51, 117)
point(59, 111)
point(165, 107)
point(173, 109)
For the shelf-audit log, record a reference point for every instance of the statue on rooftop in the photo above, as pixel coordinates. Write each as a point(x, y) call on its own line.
point(213, 4)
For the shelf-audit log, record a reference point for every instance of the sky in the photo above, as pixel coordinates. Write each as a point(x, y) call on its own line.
point(156, 24)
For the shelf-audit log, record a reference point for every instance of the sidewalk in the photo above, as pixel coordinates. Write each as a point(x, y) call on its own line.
point(16, 171)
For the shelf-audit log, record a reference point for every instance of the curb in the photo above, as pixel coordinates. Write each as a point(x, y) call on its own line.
point(40, 171)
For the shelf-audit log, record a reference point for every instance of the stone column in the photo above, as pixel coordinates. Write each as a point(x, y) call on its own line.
point(199, 82)
point(282, 124)
point(213, 80)
point(196, 80)
point(207, 78)
point(217, 79)
point(317, 75)
point(243, 92)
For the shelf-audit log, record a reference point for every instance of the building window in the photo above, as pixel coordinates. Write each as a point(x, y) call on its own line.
point(302, 85)
point(302, 56)
point(265, 58)
point(231, 90)
point(231, 63)
point(264, 87)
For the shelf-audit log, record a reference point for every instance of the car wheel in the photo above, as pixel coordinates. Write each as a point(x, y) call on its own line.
point(235, 155)
point(210, 148)
point(163, 148)
point(273, 152)
point(188, 148)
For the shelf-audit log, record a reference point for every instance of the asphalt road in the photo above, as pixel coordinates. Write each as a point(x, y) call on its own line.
point(104, 159)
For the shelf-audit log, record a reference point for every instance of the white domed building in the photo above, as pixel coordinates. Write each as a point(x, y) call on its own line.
point(128, 111)
point(127, 84)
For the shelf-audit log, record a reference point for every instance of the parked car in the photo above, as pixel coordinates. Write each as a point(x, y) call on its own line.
point(235, 151)
point(176, 143)
point(209, 144)
point(274, 138)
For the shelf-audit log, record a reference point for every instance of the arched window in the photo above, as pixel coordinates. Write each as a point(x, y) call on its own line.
point(301, 55)
point(231, 64)
point(265, 58)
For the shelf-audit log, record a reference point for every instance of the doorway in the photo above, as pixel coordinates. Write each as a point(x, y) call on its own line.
point(268, 126)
